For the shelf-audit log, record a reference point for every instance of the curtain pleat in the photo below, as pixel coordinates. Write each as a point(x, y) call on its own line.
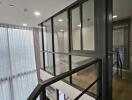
point(18, 76)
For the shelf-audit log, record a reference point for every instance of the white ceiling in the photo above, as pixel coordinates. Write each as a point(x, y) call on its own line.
point(16, 15)
point(122, 8)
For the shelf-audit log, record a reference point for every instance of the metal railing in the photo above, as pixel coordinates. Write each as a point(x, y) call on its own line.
point(42, 85)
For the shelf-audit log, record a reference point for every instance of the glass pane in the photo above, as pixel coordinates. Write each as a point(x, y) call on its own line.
point(79, 60)
point(21, 50)
point(88, 25)
point(49, 62)
point(62, 64)
point(51, 93)
point(61, 33)
point(47, 35)
point(84, 77)
point(41, 50)
point(76, 29)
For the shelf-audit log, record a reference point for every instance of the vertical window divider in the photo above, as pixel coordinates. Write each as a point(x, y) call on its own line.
point(53, 46)
point(69, 41)
point(42, 33)
point(81, 30)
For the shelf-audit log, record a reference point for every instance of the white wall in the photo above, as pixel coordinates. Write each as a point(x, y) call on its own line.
point(76, 39)
point(88, 38)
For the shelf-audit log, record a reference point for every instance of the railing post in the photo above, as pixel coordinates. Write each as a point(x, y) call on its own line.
point(43, 94)
point(99, 83)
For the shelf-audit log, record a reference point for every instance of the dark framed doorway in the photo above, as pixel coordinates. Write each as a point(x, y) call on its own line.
point(121, 38)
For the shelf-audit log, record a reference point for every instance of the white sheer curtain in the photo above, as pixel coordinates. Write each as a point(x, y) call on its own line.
point(18, 75)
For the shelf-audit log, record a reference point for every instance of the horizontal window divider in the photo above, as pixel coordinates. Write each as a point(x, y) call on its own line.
point(85, 54)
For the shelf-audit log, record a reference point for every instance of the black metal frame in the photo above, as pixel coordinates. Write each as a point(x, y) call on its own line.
point(70, 51)
point(80, 6)
point(103, 41)
point(42, 85)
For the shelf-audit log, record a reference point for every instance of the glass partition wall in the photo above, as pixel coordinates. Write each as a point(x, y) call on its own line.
point(68, 39)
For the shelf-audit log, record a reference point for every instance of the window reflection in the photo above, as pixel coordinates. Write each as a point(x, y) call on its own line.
point(88, 25)
point(47, 31)
point(76, 29)
point(61, 33)
point(49, 62)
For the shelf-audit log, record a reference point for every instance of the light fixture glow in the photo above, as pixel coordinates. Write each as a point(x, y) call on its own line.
point(115, 16)
point(24, 24)
point(60, 20)
point(37, 13)
point(79, 25)
point(61, 30)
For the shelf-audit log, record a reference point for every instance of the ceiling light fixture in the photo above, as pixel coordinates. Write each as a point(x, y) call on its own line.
point(24, 25)
point(115, 16)
point(79, 25)
point(60, 20)
point(37, 13)
point(61, 30)
point(11, 5)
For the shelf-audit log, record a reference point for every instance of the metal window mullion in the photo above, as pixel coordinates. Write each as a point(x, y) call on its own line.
point(43, 94)
point(81, 30)
point(69, 41)
point(53, 46)
point(42, 33)
point(57, 93)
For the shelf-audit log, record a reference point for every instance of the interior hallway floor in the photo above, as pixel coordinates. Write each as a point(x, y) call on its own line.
point(122, 88)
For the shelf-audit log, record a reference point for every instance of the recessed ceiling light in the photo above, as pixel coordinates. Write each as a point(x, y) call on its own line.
point(60, 20)
point(25, 9)
point(37, 13)
point(11, 5)
point(79, 25)
point(115, 16)
point(24, 24)
point(61, 30)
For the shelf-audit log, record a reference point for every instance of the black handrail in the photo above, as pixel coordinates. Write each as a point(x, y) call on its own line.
point(42, 85)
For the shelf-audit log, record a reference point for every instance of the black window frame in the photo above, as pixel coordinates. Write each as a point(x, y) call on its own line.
point(80, 5)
